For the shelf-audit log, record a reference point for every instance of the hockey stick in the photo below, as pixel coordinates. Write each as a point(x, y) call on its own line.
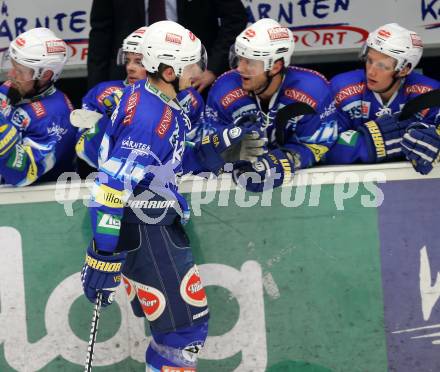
point(423, 101)
point(82, 118)
point(285, 114)
point(93, 332)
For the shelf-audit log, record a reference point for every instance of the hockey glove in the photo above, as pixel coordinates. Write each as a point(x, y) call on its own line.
point(112, 101)
point(101, 273)
point(269, 171)
point(421, 146)
point(8, 138)
point(220, 147)
point(383, 137)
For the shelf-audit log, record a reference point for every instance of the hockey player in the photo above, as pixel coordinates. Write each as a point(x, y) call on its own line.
point(260, 84)
point(367, 100)
point(144, 150)
point(104, 97)
point(36, 139)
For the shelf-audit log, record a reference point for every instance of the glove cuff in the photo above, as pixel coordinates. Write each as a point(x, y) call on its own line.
point(374, 141)
point(104, 263)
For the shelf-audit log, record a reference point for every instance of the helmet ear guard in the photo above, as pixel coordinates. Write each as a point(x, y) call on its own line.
point(40, 50)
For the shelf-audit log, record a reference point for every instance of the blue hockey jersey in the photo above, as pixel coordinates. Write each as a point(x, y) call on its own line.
point(46, 143)
point(141, 156)
point(356, 104)
point(88, 141)
point(309, 136)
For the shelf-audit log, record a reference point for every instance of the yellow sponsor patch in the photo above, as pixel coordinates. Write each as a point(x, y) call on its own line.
point(108, 196)
point(287, 170)
point(317, 150)
point(9, 140)
point(108, 267)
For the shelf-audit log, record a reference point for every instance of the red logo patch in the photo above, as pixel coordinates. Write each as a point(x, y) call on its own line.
point(38, 109)
point(416, 41)
point(249, 33)
point(164, 123)
point(129, 288)
point(192, 290)
point(232, 96)
point(68, 103)
point(417, 89)
point(300, 96)
point(173, 38)
point(278, 33)
point(384, 33)
point(55, 46)
point(130, 108)
point(192, 36)
point(152, 301)
point(20, 41)
point(349, 91)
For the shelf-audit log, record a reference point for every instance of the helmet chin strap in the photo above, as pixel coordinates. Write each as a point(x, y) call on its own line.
point(266, 85)
point(393, 81)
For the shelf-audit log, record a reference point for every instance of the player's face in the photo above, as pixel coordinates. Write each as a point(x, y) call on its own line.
point(380, 70)
point(133, 66)
point(252, 74)
point(21, 78)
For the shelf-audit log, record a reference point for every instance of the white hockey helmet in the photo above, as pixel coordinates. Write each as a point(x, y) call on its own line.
point(265, 40)
point(172, 44)
point(40, 50)
point(131, 44)
point(395, 41)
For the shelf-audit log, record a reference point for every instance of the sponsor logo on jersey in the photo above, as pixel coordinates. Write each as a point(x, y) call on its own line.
point(357, 109)
point(376, 135)
point(317, 150)
point(416, 41)
point(278, 33)
point(130, 108)
point(20, 118)
point(349, 91)
point(18, 158)
point(164, 123)
point(150, 204)
point(328, 110)
point(55, 46)
point(129, 288)
point(173, 38)
point(191, 288)
point(232, 96)
point(108, 197)
point(417, 89)
point(106, 92)
point(9, 139)
point(38, 109)
point(300, 96)
point(56, 130)
point(129, 144)
point(348, 138)
point(152, 301)
point(108, 224)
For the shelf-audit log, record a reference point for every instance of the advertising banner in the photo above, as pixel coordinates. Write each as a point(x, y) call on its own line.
point(324, 278)
point(318, 25)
